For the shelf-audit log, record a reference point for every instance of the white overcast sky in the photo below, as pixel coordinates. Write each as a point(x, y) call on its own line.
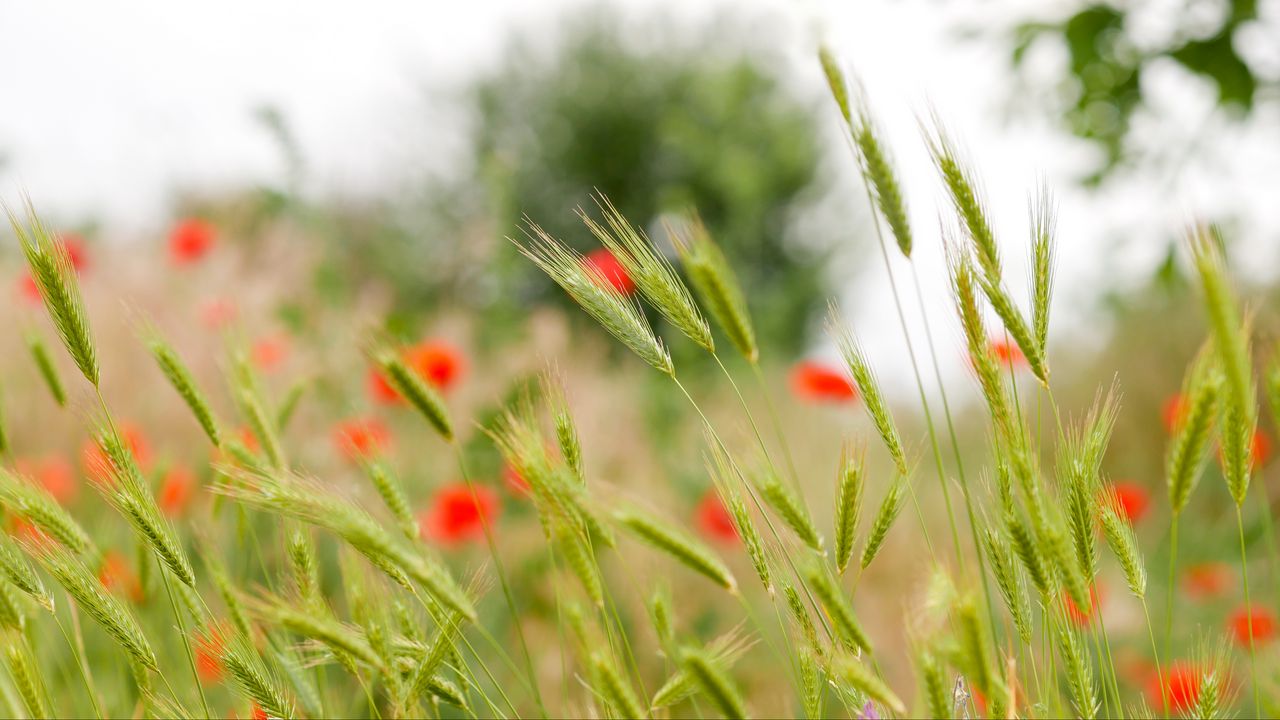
point(108, 107)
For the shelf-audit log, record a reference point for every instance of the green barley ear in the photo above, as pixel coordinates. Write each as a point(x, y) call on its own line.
point(662, 615)
point(1216, 691)
point(800, 614)
point(937, 698)
point(861, 678)
point(688, 551)
point(837, 607)
point(55, 277)
point(713, 681)
point(965, 296)
point(617, 314)
point(967, 200)
point(1031, 555)
point(264, 428)
point(25, 673)
point(35, 505)
point(289, 405)
point(82, 585)
point(1080, 680)
point(421, 394)
point(850, 485)
point(226, 590)
point(716, 284)
point(881, 178)
point(1017, 328)
point(577, 555)
point(890, 507)
point(614, 688)
point(856, 360)
point(254, 680)
point(180, 378)
point(651, 272)
point(19, 572)
point(1009, 582)
point(720, 470)
point(1230, 336)
point(392, 494)
point(319, 624)
point(790, 508)
point(303, 564)
point(1079, 461)
point(835, 81)
point(1044, 249)
point(566, 429)
point(442, 645)
point(48, 371)
point(723, 653)
point(128, 493)
point(1124, 544)
point(811, 678)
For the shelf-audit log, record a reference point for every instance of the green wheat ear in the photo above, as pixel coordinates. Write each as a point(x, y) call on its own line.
point(48, 371)
point(716, 284)
point(617, 314)
point(180, 377)
point(869, 388)
point(651, 272)
point(51, 268)
point(678, 544)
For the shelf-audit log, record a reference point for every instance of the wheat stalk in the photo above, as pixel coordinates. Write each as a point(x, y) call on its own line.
point(713, 681)
point(849, 488)
point(48, 371)
point(716, 284)
point(819, 581)
point(862, 679)
point(180, 378)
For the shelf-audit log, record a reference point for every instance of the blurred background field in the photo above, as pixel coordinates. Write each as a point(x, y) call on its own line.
point(297, 178)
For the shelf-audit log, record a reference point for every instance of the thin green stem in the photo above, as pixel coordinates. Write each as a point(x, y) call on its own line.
point(77, 651)
point(1248, 604)
point(186, 641)
point(1164, 691)
point(795, 478)
point(1173, 577)
point(772, 409)
point(502, 578)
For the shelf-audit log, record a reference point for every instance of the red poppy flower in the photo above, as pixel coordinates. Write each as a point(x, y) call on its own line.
point(1007, 353)
point(116, 576)
point(816, 383)
point(190, 240)
point(1083, 617)
point(176, 491)
point(456, 514)
point(1259, 449)
point(28, 290)
point(1174, 413)
point(514, 479)
point(380, 388)
point(1206, 580)
point(100, 468)
point(53, 473)
point(1180, 685)
point(361, 437)
point(269, 352)
point(217, 313)
point(209, 645)
point(1130, 499)
point(713, 518)
point(602, 266)
point(1259, 620)
point(257, 713)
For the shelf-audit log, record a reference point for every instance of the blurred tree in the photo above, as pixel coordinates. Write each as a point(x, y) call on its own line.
point(657, 128)
point(1102, 87)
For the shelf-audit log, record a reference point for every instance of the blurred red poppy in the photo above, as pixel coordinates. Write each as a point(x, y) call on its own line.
point(209, 645)
point(1259, 620)
point(1174, 413)
point(53, 473)
point(1076, 614)
point(602, 265)
point(814, 382)
point(435, 361)
point(1007, 353)
point(257, 713)
point(456, 514)
point(361, 437)
point(1180, 685)
point(100, 468)
point(190, 240)
point(1130, 499)
point(116, 575)
point(177, 490)
point(1206, 580)
point(713, 518)
point(269, 352)
point(217, 313)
